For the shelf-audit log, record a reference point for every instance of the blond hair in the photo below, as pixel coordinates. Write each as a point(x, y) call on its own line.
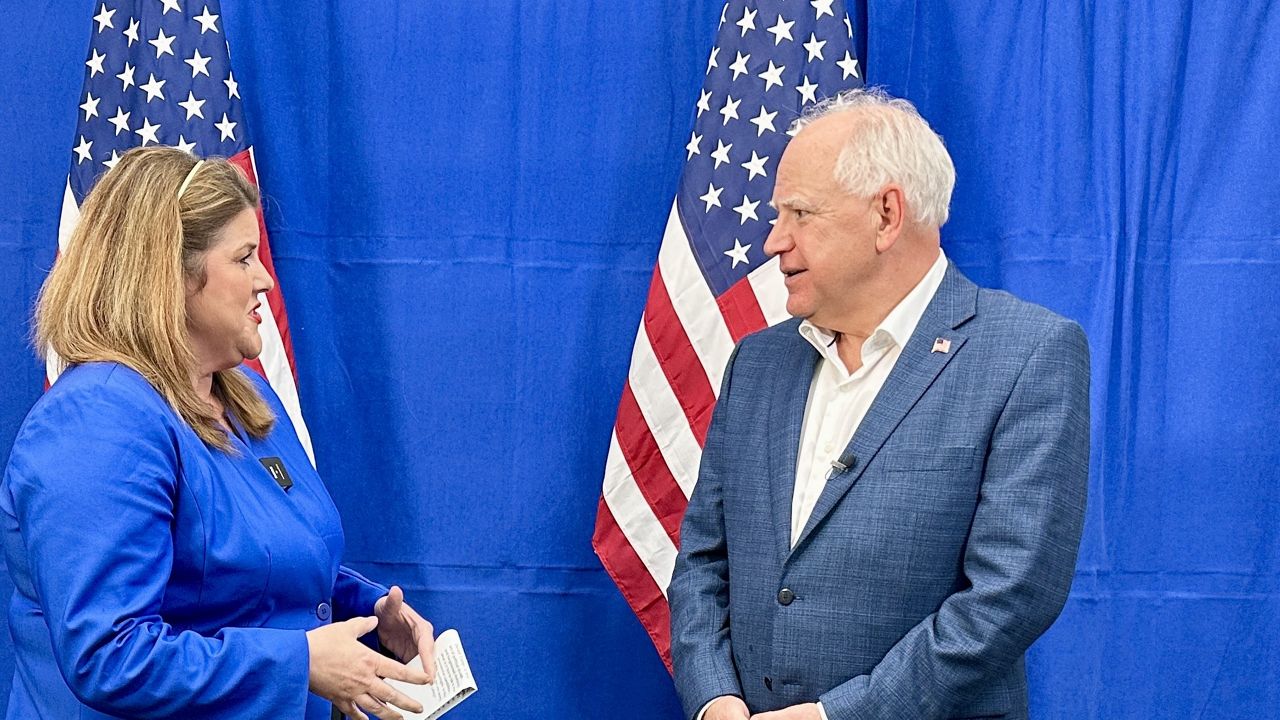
point(118, 291)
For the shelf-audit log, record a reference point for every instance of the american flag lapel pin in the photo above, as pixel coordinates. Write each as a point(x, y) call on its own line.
point(942, 345)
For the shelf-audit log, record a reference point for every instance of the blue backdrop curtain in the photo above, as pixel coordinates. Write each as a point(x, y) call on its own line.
point(466, 201)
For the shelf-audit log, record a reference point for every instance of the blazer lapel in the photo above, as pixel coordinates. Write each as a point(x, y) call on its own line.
point(917, 367)
point(786, 418)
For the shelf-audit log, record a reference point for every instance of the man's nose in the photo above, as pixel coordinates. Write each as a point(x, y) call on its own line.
point(778, 239)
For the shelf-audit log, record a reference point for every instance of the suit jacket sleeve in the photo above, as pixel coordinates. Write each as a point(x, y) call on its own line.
point(354, 595)
point(701, 650)
point(1021, 551)
point(95, 519)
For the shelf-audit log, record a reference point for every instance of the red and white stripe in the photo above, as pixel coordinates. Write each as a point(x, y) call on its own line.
point(685, 339)
point(276, 362)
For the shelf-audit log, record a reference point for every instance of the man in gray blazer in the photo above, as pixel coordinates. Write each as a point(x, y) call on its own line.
point(892, 489)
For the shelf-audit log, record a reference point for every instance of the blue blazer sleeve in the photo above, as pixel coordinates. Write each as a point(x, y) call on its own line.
point(701, 651)
point(1021, 552)
point(354, 595)
point(92, 481)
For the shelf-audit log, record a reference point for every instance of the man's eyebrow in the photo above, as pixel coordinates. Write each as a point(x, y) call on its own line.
point(791, 201)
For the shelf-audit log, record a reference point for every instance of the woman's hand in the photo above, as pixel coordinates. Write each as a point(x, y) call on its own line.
point(404, 632)
point(350, 675)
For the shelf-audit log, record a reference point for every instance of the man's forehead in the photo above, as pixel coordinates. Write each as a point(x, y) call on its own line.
point(803, 193)
point(805, 169)
point(826, 134)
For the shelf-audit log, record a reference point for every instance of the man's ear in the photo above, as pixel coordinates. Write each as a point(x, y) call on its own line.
point(890, 210)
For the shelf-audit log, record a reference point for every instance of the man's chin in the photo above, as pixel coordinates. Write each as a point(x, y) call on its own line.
point(799, 309)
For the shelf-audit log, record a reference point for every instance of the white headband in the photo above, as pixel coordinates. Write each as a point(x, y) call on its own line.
point(190, 176)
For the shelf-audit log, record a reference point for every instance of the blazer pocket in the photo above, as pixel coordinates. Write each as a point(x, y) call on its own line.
point(942, 459)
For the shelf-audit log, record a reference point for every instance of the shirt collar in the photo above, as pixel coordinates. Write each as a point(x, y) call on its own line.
point(897, 326)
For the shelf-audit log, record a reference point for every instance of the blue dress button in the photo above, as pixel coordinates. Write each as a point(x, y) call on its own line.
point(323, 611)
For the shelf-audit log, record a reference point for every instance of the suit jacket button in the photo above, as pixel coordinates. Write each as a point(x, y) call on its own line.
point(324, 612)
point(768, 682)
point(785, 596)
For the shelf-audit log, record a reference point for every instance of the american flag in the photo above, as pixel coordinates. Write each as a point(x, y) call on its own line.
point(713, 283)
point(158, 72)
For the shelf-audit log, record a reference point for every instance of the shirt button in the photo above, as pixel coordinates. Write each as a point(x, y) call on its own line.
point(323, 611)
point(786, 596)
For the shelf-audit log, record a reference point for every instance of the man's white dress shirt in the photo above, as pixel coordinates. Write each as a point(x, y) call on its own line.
point(838, 399)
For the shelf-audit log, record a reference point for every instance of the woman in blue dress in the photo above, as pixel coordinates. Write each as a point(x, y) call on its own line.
point(173, 551)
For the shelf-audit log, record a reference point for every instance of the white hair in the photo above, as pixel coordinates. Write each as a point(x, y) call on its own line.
point(892, 144)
